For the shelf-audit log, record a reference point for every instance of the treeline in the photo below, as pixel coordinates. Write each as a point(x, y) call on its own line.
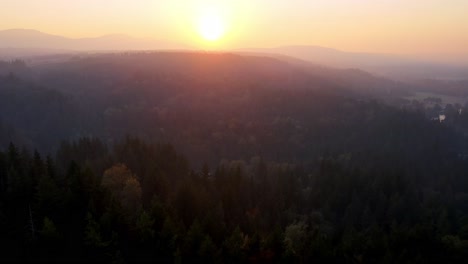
point(135, 201)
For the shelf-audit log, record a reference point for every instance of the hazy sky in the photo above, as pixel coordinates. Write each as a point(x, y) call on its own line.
point(394, 26)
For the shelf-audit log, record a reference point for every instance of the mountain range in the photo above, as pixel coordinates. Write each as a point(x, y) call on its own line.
point(24, 43)
point(15, 39)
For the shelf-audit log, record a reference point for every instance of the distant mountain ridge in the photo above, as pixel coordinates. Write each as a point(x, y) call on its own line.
point(391, 65)
point(33, 39)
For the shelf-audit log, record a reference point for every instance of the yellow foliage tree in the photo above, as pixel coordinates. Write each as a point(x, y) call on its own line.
point(124, 187)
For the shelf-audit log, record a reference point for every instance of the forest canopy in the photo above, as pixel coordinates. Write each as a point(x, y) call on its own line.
point(226, 158)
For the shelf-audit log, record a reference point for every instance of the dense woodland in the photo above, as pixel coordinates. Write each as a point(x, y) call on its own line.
point(226, 158)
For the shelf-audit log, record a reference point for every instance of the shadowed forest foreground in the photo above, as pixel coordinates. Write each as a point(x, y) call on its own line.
point(141, 202)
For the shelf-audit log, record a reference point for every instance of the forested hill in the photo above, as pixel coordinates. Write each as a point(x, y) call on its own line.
point(195, 100)
point(220, 69)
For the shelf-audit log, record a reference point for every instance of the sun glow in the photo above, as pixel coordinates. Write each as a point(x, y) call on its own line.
point(211, 25)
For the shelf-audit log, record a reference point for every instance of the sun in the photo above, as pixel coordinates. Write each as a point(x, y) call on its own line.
point(211, 26)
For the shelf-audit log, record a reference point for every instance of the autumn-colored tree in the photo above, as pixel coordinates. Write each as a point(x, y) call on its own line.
point(123, 187)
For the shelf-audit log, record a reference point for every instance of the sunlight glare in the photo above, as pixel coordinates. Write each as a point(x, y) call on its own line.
point(210, 24)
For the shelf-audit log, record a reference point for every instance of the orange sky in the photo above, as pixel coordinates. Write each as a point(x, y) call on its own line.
point(391, 26)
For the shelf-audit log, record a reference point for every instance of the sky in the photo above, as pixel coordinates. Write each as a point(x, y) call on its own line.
point(384, 26)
